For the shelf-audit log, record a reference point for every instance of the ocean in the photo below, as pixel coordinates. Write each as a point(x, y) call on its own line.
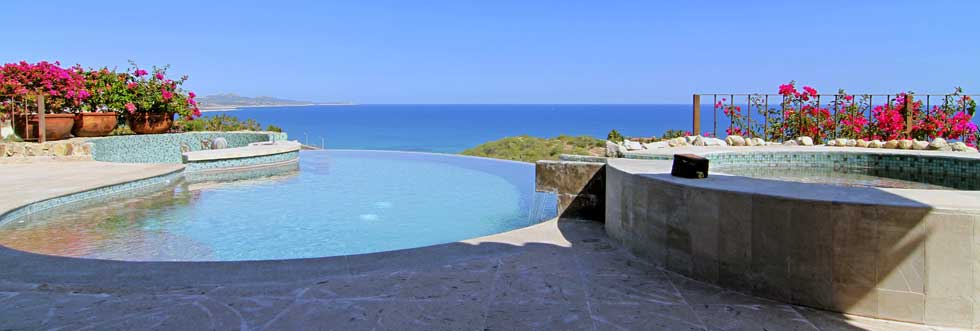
point(454, 128)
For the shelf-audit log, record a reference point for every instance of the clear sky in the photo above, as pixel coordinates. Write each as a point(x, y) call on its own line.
point(502, 51)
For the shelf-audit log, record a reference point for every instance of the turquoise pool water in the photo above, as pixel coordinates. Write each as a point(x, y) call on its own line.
point(337, 203)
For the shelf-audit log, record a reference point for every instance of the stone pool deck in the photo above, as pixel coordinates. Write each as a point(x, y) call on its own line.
point(561, 274)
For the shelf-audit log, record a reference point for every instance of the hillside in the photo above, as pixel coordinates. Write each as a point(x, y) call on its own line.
point(529, 149)
point(231, 100)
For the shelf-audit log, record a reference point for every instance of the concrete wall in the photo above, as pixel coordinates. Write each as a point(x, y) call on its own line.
point(579, 186)
point(900, 260)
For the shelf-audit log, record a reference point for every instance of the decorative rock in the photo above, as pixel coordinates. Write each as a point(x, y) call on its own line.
point(690, 139)
point(790, 143)
point(850, 143)
point(804, 141)
point(939, 144)
point(60, 149)
point(656, 145)
point(905, 144)
point(698, 141)
point(861, 143)
point(709, 141)
point(677, 142)
point(759, 141)
point(34, 150)
point(840, 142)
point(630, 145)
point(750, 142)
point(919, 145)
point(875, 144)
point(735, 141)
point(959, 146)
point(832, 142)
point(219, 143)
point(891, 144)
point(612, 149)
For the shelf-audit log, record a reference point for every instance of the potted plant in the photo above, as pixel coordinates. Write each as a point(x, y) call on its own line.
point(60, 88)
point(99, 111)
point(154, 100)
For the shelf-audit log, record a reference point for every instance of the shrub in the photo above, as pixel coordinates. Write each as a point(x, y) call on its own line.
point(614, 136)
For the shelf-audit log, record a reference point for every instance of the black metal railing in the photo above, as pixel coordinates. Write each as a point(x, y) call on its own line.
point(762, 110)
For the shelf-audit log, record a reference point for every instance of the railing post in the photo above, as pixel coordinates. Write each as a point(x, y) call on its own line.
point(908, 115)
point(697, 115)
point(42, 135)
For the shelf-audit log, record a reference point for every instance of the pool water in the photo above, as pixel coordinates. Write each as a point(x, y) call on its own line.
point(337, 203)
point(849, 177)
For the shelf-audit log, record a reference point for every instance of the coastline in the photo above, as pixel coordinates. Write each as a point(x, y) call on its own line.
point(233, 108)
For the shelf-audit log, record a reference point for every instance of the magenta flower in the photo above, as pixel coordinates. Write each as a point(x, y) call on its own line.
point(140, 73)
point(131, 85)
point(166, 95)
point(158, 76)
point(191, 95)
point(130, 107)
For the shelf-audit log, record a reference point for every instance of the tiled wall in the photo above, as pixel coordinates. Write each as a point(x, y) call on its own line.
point(241, 162)
point(165, 148)
point(908, 262)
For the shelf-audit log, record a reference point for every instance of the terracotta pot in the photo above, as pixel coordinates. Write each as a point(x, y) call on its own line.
point(150, 123)
point(93, 124)
point(56, 126)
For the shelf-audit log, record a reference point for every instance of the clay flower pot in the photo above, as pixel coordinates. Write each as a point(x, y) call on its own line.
point(150, 123)
point(93, 124)
point(56, 126)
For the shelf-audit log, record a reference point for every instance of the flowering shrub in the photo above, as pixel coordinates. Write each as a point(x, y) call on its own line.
point(108, 90)
point(738, 125)
point(64, 88)
point(157, 94)
point(802, 113)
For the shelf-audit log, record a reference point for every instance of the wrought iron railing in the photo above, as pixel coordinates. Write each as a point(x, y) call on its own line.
point(763, 107)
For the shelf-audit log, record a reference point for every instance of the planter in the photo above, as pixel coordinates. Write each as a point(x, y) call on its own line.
point(56, 126)
point(93, 124)
point(150, 123)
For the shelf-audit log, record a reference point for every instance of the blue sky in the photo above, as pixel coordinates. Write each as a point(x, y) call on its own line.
point(460, 51)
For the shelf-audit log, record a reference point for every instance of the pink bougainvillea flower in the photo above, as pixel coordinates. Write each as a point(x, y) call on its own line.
point(130, 107)
point(140, 73)
point(159, 76)
point(166, 94)
point(131, 85)
point(191, 95)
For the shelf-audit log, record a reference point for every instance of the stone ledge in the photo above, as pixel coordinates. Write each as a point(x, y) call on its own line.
point(253, 150)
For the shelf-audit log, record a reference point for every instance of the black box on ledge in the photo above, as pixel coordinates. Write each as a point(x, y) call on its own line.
point(689, 166)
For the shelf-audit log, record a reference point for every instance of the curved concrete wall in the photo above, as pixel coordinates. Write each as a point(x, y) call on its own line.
point(883, 253)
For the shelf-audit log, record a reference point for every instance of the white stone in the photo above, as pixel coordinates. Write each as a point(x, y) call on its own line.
point(759, 141)
point(632, 145)
point(850, 143)
point(677, 142)
point(905, 144)
point(919, 145)
point(710, 141)
point(832, 142)
point(861, 143)
point(790, 143)
point(875, 144)
point(750, 142)
point(804, 141)
point(698, 141)
point(614, 149)
point(735, 141)
point(690, 139)
point(891, 144)
point(939, 144)
point(960, 146)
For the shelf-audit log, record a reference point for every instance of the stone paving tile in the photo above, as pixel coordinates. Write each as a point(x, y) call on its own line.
point(751, 317)
point(828, 321)
point(539, 316)
point(542, 288)
point(632, 289)
point(696, 292)
point(645, 316)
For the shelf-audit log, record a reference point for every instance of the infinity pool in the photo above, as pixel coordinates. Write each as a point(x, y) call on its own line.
point(337, 203)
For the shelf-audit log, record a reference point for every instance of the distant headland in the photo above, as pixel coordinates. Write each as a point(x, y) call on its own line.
point(229, 101)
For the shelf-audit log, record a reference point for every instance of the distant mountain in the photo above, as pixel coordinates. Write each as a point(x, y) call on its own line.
point(231, 100)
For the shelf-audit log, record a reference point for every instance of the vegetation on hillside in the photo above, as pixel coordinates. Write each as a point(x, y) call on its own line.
point(231, 100)
point(221, 122)
point(529, 149)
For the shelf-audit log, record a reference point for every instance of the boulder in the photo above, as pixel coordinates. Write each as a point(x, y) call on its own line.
point(959, 146)
point(850, 143)
point(804, 141)
point(905, 144)
point(735, 141)
point(919, 145)
point(759, 141)
point(678, 142)
point(939, 144)
point(632, 145)
point(612, 149)
point(861, 143)
point(832, 142)
point(840, 142)
point(698, 141)
point(709, 141)
point(690, 139)
point(891, 144)
point(790, 143)
point(876, 144)
point(750, 142)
